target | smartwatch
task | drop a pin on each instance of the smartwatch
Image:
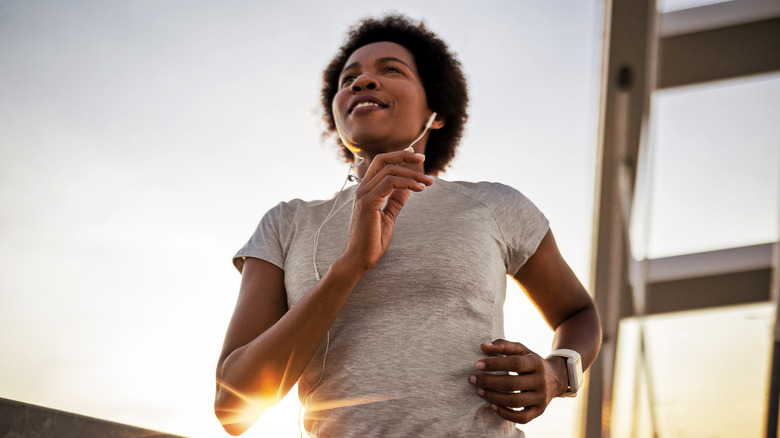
(574, 367)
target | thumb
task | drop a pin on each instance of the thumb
(395, 202)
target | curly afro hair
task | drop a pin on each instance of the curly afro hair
(442, 78)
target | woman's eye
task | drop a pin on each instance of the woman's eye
(347, 79)
(392, 70)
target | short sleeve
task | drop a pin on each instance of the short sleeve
(522, 224)
(266, 242)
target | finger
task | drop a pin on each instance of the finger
(505, 383)
(375, 193)
(390, 177)
(511, 399)
(522, 416)
(501, 346)
(396, 158)
(525, 363)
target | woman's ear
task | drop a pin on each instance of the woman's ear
(438, 122)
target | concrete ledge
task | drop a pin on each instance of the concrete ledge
(23, 420)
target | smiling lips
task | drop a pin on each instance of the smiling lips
(368, 103)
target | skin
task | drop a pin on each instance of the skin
(268, 345)
(569, 310)
(386, 73)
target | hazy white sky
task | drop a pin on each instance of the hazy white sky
(141, 141)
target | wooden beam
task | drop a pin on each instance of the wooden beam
(725, 277)
(728, 289)
(717, 54)
(627, 80)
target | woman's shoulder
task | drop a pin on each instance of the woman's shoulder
(480, 189)
(498, 197)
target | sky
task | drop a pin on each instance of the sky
(141, 141)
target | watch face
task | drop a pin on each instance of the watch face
(574, 369)
(578, 373)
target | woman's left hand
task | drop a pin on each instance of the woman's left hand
(523, 395)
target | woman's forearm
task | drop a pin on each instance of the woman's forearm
(259, 373)
(580, 332)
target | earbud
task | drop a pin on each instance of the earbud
(427, 127)
(430, 121)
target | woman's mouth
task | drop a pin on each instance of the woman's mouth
(366, 104)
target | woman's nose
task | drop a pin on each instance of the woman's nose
(365, 82)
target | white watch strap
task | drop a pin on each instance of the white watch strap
(574, 369)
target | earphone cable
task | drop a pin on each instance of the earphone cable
(330, 215)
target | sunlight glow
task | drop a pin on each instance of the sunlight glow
(249, 412)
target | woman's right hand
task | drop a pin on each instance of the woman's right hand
(379, 198)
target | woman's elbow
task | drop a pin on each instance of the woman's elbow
(234, 413)
(232, 429)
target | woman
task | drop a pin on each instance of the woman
(385, 303)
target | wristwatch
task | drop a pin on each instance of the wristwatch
(574, 367)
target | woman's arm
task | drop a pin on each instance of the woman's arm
(570, 311)
(563, 301)
(267, 347)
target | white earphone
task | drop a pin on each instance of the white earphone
(350, 177)
(427, 127)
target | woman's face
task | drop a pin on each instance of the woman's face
(380, 105)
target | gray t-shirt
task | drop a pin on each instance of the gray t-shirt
(404, 345)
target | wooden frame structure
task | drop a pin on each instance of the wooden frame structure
(645, 51)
